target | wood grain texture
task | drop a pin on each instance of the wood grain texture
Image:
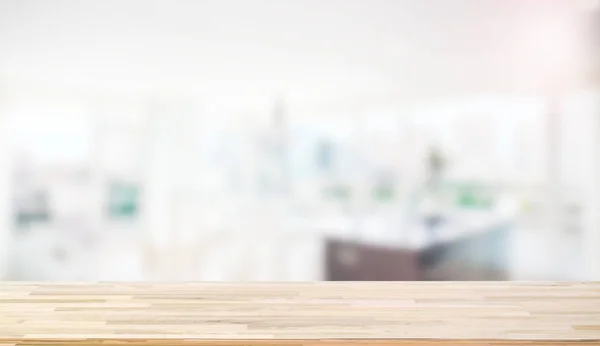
(286, 314)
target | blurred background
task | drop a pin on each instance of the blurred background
(299, 140)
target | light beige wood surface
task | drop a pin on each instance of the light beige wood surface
(300, 313)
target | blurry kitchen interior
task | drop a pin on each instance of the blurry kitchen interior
(299, 140)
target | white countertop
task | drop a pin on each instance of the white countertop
(410, 235)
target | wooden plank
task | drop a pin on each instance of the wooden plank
(399, 313)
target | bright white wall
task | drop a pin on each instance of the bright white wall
(310, 49)
(581, 157)
(5, 183)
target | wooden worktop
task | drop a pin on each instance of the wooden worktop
(432, 313)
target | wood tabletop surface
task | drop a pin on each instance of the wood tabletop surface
(419, 313)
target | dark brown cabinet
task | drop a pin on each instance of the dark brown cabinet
(476, 257)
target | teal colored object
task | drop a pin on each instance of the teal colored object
(123, 201)
(473, 197)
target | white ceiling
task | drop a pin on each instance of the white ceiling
(308, 48)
